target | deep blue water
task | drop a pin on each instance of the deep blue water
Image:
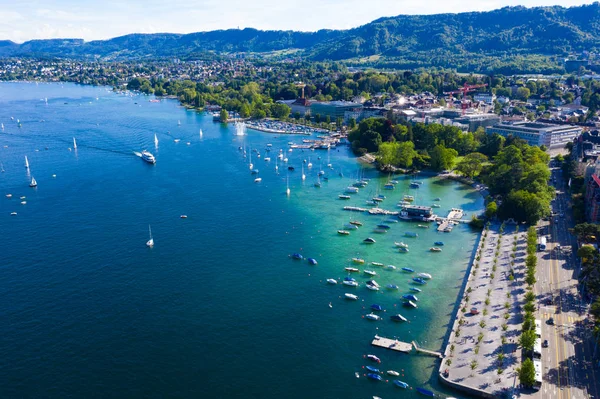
(217, 308)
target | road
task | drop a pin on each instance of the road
(567, 361)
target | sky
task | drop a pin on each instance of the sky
(22, 20)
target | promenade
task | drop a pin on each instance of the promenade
(482, 354)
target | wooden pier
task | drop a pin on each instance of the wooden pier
(443, 226)
(426, 351)
(392, 344)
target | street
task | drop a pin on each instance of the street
(568, 369)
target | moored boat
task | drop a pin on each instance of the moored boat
(400, 244)
(400, 384)
(358, 260)
(378, 264)
(425, 275)
(371, 272)
(372, 287)
(419, 280)
(390, 267)
(376, 307)
(374, 376)
(410, 297)
(369, 240)
(332, 281)
(391, 287)
(440, 243)
(403, 249)
(408, 269)
(351, 269)
(351, 296)
(435, 249)
(312, 261)
(373, 316)
(410, 234)
(344, 197)
(415, 289)
(374, 358)
(297, 256)
(393, 372)
(350, 283)
(398, 317)
(425, 392)
(355, 223)
(343, 232)
(373, 369)
(410, 304)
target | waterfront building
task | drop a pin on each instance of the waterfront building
(417, 212)
(335, 109)
(536, 133)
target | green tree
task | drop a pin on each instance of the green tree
(442, 158)
(523, 93)
(406, 154)
(471, 164)
(224, 115)
(352, 123)
(279, 110)
(527, 373)
(245, 110)
(527, 340)
(587, 253)
(491, 209)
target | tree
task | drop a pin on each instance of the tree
(527, 373)
(245, 110)
(224, 115)
(527, 340)
(491, 209)
(471, 164)
(442, 158)
(523, 93)
(587, 253)
(279, 110)
(406, 154)
(352, 123)
(595, 310)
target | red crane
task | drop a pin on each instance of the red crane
(464, 90)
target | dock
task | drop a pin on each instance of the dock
(445, 226)
(455, 214)
(392, 344)
(427, 351)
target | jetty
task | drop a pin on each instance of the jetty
(455, 214)
(392, 344)
(427, 351)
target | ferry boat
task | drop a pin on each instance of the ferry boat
(148, 157)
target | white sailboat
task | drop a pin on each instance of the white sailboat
(178, 123)
(309, 163)
(150, 242)
(155, 140)
(287, 191)
(33, 182)
(201, 133)
(303, 175)
(329, 165)
(250, 159)
(74, 144)
(3, 126)
(1, 168)
(26, 163)
(276, 167)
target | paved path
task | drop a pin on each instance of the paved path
(474, 361)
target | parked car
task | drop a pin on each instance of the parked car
(545, 343)
(550, 321)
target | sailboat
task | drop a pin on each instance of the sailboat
(74, 144)
(178, 123)
(33, 182)
(150, 242)
(318, 183)
(309, 164)
(3, 126)
(1, 168)
(200, 133)
(287, 191)
(303, 175)
(155, 140)
(26, 163)
(276, 167)
(329, 165)
(250, 158)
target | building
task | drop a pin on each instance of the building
(536, 133)
(335, 109)
(487, 98)
(474, 121)
(592, 199)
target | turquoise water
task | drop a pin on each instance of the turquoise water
(217, 308)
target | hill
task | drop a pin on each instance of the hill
(410, 40)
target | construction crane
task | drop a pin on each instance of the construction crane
(301, 85)
(463, 91)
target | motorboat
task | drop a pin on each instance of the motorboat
(373, 316)
(332, 281)
(350, 227)
(403, 249)
(426, 276)
(344, 197)
(436, 206)
(371, 272)
(312, 261)
(377, 199)
(373, 283)
(8, 195)
(369, 240)
(297, 256)
(351, 190)
(372, 287)
(377, 264)
(415, 289)
(408, 269)
(376, 307)
(351, 296)
(351, 269)
(401, 244)
(389, 186)
(398, 317)
(425, 392)
(440, 243)
(348, 278)
(183, 216)
(254, 171)
(410, 297)
(355, 223)
(373, 369)
(435, 249)
(13, 213)
(408, 198)
(150, 242)
(391, 287)
(400, 384)
(148, 157)
(423, 226)
(257, 180)
(393, 372)
(350, 283)
(437, 199)
(374, 376)
(374, 358)
(343, 232)
(410, 304)
(380, 231)
(410, 234)
(383, 226)
(419, 280)
(414, 185)
(390, 267)
(391, 221)
(358, 260)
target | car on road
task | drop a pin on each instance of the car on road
(550, 321)
(549, 301)
(545, 343)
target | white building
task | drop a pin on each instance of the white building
(535, 133)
